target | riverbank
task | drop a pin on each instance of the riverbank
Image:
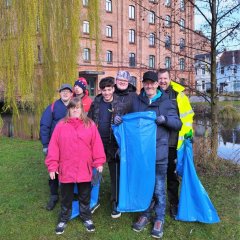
(24, 192)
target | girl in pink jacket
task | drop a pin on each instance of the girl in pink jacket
(75, 148)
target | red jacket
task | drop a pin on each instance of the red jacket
(74, 150)
(86, 101)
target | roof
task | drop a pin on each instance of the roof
(230, 57)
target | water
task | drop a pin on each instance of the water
(27, 127)
(228, 137)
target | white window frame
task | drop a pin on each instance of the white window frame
(109, 56)
(182, 24)
(182, 64)
(168, 21)
(86, 54)
(109, 31)
(131, 36)
(151, 62)
(168, 62)
(152, 38)
(108, 5)
(131, 12)
(168, 3)
(132, 56)
(86, 27)
(168, 41)
(182, 44)
(151, 17)
(182, 5)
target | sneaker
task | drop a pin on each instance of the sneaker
(52, 203)
(140, 224)
(93, 209)
(157, 231)
(115, 213)
(89, 225)
(173, 211)
(60, 228)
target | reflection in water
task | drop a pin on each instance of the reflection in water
(27, 127)
(228, 139)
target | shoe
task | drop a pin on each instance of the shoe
(173, 211)
(115, 213)
(52, 202)
(140, 224)
(93, 209)
(89, 225)
(157, 231)
(60, 228)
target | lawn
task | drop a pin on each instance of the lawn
(24, 193)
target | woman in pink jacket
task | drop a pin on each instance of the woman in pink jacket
(75, 148)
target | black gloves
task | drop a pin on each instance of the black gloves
(161, 120)
(117, 120)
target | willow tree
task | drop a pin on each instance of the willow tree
(39, 46)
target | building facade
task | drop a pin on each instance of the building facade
(228, 72)
(137, 36)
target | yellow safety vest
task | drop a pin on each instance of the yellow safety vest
(185, 112)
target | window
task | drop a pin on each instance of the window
(182, 81)
(203, 85)
(151, 61)
(86, 54)
(182, 44)
(85, 27)
(168, 3)
(151, 39)
(132, 60)
(182, 64)
(109, 56)
(108, 5)
(151, 17)
(234, 69)
(182, 24)
(85, 3)
(168, 62)
(168, 42)
(182, 5)
(203, 70)
(131, 37)
(168, 21)
(131, 12)
(109, 31)
(222, 70)
(152, 1)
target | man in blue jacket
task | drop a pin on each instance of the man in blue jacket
(51, 115)
(153, 99)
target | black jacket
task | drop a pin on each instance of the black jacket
(162, 106)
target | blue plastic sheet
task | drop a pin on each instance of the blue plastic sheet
(136, 138)
(194, 202)
(93, 200)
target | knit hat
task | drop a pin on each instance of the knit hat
(82, 83)
(125, 75)
(150, 75)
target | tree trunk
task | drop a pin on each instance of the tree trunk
(214, 92)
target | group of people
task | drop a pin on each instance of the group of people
(83, 139)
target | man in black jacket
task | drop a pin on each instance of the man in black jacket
(153, 99)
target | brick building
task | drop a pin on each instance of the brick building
(138, 35)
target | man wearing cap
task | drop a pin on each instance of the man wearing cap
(80, 90)
(124, 90)
(153, 99)
(51, 115)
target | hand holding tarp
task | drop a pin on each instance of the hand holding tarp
(117, 120)
(160, 120)
(45, 151)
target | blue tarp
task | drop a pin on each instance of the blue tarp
(194, 203)
(93, 201)
(136, 138)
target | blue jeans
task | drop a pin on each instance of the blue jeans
(159, 199)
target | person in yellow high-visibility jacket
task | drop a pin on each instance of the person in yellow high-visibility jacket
(175, 92)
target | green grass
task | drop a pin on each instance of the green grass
(24, 193)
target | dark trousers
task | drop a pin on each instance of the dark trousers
(84, 195)
(114, 176)
(53, 184)
(172, 178)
